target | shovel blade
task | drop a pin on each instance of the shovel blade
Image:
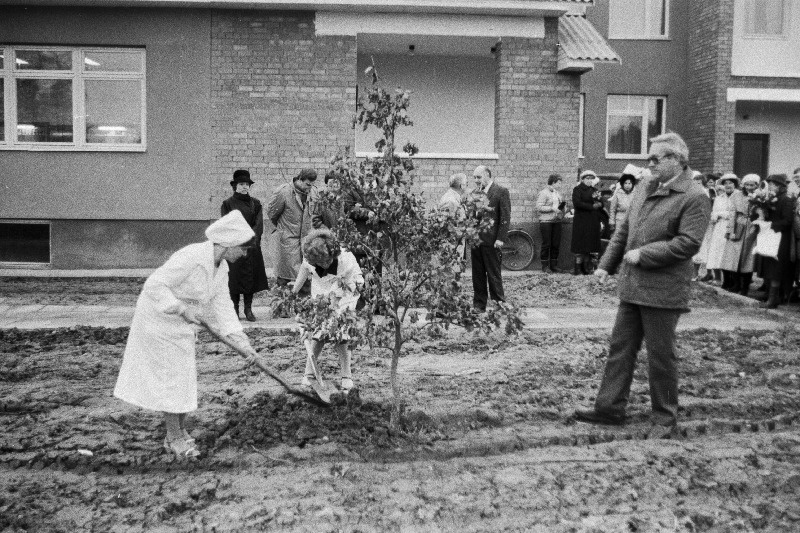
(323, 391)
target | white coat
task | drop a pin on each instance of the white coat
(720, 214)
(158, 367)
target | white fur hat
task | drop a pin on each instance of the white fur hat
(230, 230)
(751, 178)
(632, 170)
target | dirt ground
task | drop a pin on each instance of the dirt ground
(487, 443)
(532, 289)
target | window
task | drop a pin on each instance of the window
(638, 19)
(631, 121)
(763, 17)
(452, 104)
(24, 242)
(56, 98)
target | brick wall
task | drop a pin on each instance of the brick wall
(536, 118)
(281, 97)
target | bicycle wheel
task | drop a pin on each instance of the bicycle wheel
(517, 250)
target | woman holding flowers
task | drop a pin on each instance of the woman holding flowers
(586, 200)
(775, 207)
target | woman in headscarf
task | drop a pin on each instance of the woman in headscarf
(621, 199)
(750, 183)
(158, 366)
(247, 276)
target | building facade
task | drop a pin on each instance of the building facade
(124, 121)
(724, 74)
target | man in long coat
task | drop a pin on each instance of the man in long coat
(294, 211)
(247, 276)
(653, 249)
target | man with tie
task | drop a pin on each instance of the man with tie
(653, 249)
(486, 256)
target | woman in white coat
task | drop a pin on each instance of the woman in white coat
(158, 367)
(720, 215)
(334, 274)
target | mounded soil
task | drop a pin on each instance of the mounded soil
(487, 441)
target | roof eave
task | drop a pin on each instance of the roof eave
(553, 8)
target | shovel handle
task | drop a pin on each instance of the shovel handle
(235, 347)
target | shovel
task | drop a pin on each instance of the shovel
(323, 391)
(323, 401)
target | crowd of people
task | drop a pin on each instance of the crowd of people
(664, 226)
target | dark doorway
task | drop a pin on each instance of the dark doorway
(750, 154)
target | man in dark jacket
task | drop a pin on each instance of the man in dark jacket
(653, 249)
(486, 257)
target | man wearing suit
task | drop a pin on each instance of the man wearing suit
(486, 257)
(653, 249)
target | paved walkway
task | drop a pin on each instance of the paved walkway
(60, 316)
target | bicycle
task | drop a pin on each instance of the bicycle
(518, 250)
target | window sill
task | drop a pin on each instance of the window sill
(436, 155)
(642, 157)
(764, 37)
(640, 38)
(71, 148)
(26, 266)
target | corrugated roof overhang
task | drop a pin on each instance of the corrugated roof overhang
(581, 45)
(523, 8)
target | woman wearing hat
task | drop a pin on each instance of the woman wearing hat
(779, 272)
(248, 275)
(621, 199)
(158, 366)
(750, 183)
(721, 214)
(734, 232)
(586, 223)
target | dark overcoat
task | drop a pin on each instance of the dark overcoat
(247, 275)
(586, 223)
(781, 215)
(666, 225)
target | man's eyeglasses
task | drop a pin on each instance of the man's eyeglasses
(657, 159)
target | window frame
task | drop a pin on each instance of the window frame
(749, 6)
(30, 264)
(645, 119)
(79, 76)
(640, 37)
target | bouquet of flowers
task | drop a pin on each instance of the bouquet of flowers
(597, 196)
(763, 198)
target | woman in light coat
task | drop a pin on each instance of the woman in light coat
(738, 208)
(158, 366)
(621, 199)
(336, 275)
(720, 214)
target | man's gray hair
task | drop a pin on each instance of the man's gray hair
(676, 145)
(458, 181)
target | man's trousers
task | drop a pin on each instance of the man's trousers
(486, 269)
(656, 327)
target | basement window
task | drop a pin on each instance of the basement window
(25, 242)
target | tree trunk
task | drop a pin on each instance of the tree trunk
(394, 421)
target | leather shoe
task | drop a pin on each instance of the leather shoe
(595, 417)
(248, 313)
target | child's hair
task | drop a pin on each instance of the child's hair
(320, 244)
